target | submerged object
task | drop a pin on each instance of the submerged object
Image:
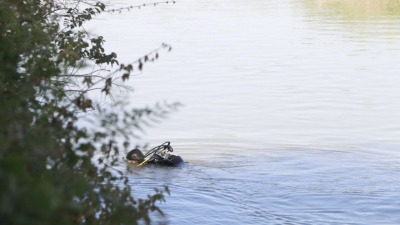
(160, 155)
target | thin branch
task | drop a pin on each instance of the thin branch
(138, 6)
(83, 90)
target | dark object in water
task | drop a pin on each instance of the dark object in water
(159, 155)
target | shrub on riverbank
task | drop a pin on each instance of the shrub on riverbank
(48, 173)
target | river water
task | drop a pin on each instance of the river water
(291, 108)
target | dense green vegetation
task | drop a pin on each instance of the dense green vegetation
(53, 170)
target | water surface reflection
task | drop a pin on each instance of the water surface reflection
(357, 9)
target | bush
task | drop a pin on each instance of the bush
(48, 171)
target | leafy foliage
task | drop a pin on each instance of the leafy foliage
(48, 174)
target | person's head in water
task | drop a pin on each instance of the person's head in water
(159, 155)
(135, 155)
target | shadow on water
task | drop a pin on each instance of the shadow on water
(281, 186)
